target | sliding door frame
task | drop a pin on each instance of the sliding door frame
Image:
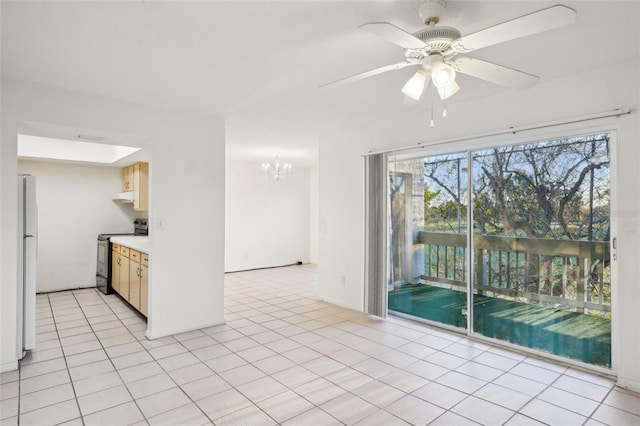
(536, 135)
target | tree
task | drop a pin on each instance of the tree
(554, 189)
(543, 190)
(429, 196)
(447, 205)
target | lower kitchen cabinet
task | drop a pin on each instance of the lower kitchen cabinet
(134, 279)
(130, 276)
(124, 276)
(144, 284)
(115, 268)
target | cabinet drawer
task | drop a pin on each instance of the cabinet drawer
(134, 255)
(116, 248)
(145, 259)
(124, 251)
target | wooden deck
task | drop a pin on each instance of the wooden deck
(573, 335)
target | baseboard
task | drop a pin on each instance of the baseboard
(67, 289)
(150, 335)
(258, 268)
(342, 305)
(630, 384)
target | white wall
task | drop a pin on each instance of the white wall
(187, 193)
(267, 222)
(341, 221)
(341, 211)
(74, 206)
(314, 200)
(186, 269)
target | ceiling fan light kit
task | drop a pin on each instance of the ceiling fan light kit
(416, 84)
(442, 74)
(448, 90)
(435, 50)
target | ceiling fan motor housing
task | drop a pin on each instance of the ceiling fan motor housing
(437, 39)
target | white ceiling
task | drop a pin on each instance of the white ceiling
(259, 63)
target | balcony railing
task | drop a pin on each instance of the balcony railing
(566, 273)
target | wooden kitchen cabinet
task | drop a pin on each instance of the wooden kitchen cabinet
(115, 268)
(134, 278)
(134, 255)
(134, 284)
(141, 186)
(128, 183)
(124, 276)
(139, 282)
(135, 178)
(144, 285)
(130, 276)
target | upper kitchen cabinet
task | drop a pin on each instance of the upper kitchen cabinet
(135, 182)
(141, 186)
(127, 179)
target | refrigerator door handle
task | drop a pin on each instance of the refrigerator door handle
(27, 264)
(30, 271)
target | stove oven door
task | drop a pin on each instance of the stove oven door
(103, 258)
(102, 266)
(102, 284)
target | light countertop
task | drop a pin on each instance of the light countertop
(136, 242)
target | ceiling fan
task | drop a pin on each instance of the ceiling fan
(435, 50)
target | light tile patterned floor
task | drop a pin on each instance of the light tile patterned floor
(285, 358)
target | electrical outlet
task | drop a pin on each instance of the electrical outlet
(343, 281)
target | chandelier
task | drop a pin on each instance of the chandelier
(277, 170)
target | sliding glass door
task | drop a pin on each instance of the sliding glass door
(541, 230)
(428, 238)
(535, 263)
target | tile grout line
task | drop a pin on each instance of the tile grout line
(167, 372)
(253, 305)
(390, 349)
(108, 357)
(221, 378)
(269, 375)
(347, 391)
(266, 374)
(75, 396)
(322, 355)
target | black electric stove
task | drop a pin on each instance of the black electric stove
(103, 269)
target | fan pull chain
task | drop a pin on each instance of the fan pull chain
(444, 110)
(432, 125)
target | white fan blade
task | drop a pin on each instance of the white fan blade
(534, 23)
(494, 73)
(367, 74)
(393, 34)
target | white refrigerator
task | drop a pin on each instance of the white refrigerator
(27, 250)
